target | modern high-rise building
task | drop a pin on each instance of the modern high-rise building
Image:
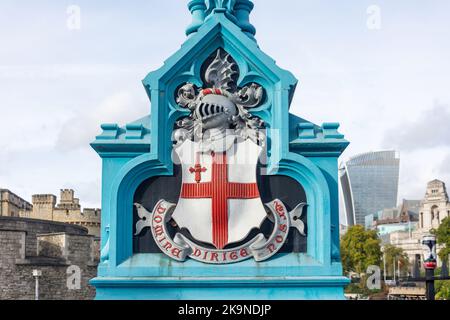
(369, 184)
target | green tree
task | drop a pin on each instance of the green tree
(443, 238)
(442, 290)
(360, 249)
(395, 255)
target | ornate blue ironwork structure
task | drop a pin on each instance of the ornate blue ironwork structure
(297, 148)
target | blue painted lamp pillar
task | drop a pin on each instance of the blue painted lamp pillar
(198, 11)
(237, 11)
(138, 156)
(243, 8)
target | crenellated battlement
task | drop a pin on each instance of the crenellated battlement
(68, 210)
(44, 199)
(86, 215)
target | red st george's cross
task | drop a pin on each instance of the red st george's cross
(219, 190)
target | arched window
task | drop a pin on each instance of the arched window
(421, 219)
(434, 213)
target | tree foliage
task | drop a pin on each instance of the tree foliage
(360, 249)
(395, 255)
(443, 238)
(443, 290)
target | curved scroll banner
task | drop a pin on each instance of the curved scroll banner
(181, 247)
(213, 256)
(158, 219)
(282, 224)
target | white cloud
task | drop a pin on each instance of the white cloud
(44, 170)
(80, 130)
(444, 169)
(417, 168)
(430, 130)
(62, 71)
(424, 146)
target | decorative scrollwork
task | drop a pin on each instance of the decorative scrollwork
(249, 97)
(187, 95)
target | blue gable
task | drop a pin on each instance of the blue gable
(297, 148)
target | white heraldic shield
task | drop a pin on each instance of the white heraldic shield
(220, 202)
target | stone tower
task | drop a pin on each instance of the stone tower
(67, 210)
(435, 207)
(43, 206)
(67, 200)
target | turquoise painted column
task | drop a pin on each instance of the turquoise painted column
(198, 10)
(242, 9)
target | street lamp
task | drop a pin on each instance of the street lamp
(429, 262)
(384, 264)
(36, 274)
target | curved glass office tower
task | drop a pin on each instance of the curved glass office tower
(369, 184)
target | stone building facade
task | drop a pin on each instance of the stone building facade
(68, 210)
(404, 218)
(11, 205)
(65, 254)
(433, 209)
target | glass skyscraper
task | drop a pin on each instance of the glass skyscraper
(369, 184)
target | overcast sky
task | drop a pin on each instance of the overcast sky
(386, 80)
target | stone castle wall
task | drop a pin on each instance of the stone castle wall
(52, 248)
(33, 227)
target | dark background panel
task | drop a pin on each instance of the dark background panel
(291, 193)
(283, 188)
(148, 194)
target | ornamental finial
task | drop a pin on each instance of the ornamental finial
(237, 11)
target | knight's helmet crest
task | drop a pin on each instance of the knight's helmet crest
(221, 104)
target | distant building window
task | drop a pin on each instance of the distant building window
(434, 213)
